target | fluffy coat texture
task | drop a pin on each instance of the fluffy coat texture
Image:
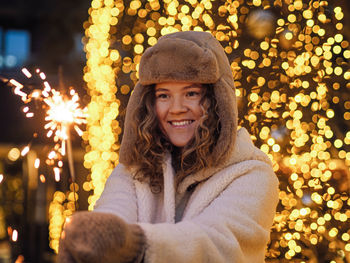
(227, 218)
(188, 57)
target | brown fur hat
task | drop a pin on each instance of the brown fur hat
(188, 57)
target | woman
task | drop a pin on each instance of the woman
(189, 186)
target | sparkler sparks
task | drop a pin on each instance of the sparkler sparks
(62, 112)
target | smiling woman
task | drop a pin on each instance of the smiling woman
(189, 187)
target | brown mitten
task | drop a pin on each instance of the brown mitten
(90, 237)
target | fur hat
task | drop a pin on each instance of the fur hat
(188, 57)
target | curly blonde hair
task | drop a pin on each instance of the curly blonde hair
(151, 144)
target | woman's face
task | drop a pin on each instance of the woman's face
(178, 110)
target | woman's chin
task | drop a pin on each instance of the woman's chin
(180, 143)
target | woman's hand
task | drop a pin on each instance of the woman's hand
(100, 237)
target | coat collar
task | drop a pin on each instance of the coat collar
(244, 150)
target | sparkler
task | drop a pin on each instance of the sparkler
(62, 112)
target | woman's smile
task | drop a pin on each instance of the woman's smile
(181, 124)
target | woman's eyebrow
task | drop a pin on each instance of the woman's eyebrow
(193, 86)
(161, 89)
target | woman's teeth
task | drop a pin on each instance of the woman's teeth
(180, 123)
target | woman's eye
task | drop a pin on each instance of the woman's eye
(162, 96)
(192, 93)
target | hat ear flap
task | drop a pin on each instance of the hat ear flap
(130, 133)
(225, 96)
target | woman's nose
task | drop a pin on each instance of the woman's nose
(177, 106)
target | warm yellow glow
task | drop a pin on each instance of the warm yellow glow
(57, 174)
(303, 211)
(25, 150)
(37, 163)
(14, 154)
(14, 236)
(42, 178)
(254, 97)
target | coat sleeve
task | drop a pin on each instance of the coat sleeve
(119, 197)
(235, 227)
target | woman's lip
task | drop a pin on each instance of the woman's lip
(180, 123)
(181, 120)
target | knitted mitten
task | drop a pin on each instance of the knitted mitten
(100, 237)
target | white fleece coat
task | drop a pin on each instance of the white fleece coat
(227, 218)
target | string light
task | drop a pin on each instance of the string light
(59, 210)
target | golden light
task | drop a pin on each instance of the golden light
(14, 236)
(37, 163)
(25, 150)
(14, 154)
(276, 148)
(52, 155)
(57, 174)
(303, 212)
(42, 178)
